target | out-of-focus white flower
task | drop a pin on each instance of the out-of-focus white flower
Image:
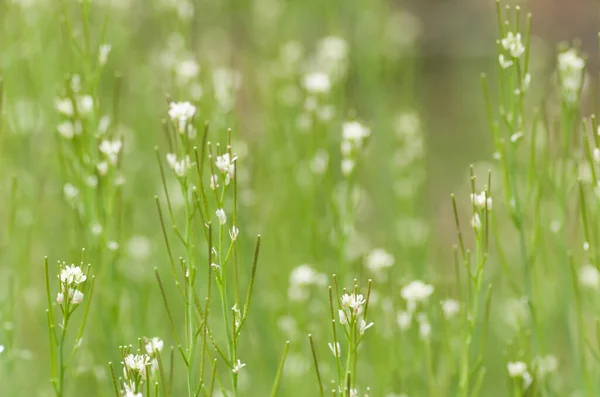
(481, 200)
(70, 191)
(181, 113)
(153, 345)
(476, 222)
(317, 83)
(504, 63)
(221, 216)
(102, 167)
(186, 71)
(570, 70)
(416, 291)
(64, 106)
(103, 53)
(404, 319)
(379, 259)
(347, 166)
(85, 105)
(67, 129)
(111, 149)
(518, 369)
(353, 131)
(180, 167)
(589, 276)
(450, 307)
(545, 365)
(318, 164)
(513, 44)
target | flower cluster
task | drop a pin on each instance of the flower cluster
(301, 279)
(351, 312)
(181, 114)
(354, 135)
(179, 166)
(518, 370)
(513, 45)
(225, 163)
(570, 73)
(72, 279)
(415, 293)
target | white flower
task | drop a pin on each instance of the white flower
(589, 276)
(347, 166)
(181, 113)
(103, 124)
(72, 275)
(221, 216)
(179, 166)
(233, 233)
(335, 349)
(379, 259)
(424, 329)
(343, 317)
(353, 393)
(187, 70)
(153, 345)
(481, 200)
(131, 393)
(111, 149)
(404, 320)
(102, 167)
(450, 307)
(306, 275)
(363, 326)
(317, 83)
(112, 245)
(512, 43)
(64, 106)
(545, 365)
(476, 222)
(225, 164)
(416, 291)
(75, 296)
(355, 132)
(137, 363)
(570, 69)
(354, 302)
(85, 105)
(66, 129)
(1, 349)
(103, 53)
(504, 63)
(214, 182)
(70, 191)
(516, 369)
(236, 368)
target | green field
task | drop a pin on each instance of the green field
(276, 198)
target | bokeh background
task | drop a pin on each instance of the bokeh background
(421, 58)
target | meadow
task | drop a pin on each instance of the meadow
(252, 198)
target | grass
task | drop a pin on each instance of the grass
(236, 199)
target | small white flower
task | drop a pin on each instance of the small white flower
(236, 368)
(481, 200)
(186, 71)
(102, 168)
(181, 113)
(180, 167)
(317, 83)
(103, 53)
(103, 124)
(379, 259)
(111, 149)
(504, 63)
(450, 307)
(70, 191)
(343, 317)
(221, 216)
(354, 132)
(404, 319)
(516, 369)
(589, 276)
(476, 222)
(64, 106)
(72, 275)
(347, 166)
(424, 330)
(137, 362)
(363, 326)
(66, 129)
(354, 302)
(77, 296)
(233, 233)
(112, 245)
(335, 349)
(1, 349)
(214, 182)
(85, 105)
(153, 345)
(225, 164)
(416, 291)
(97, 229)
(512, 43)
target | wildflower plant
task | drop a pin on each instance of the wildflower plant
(75, 287)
